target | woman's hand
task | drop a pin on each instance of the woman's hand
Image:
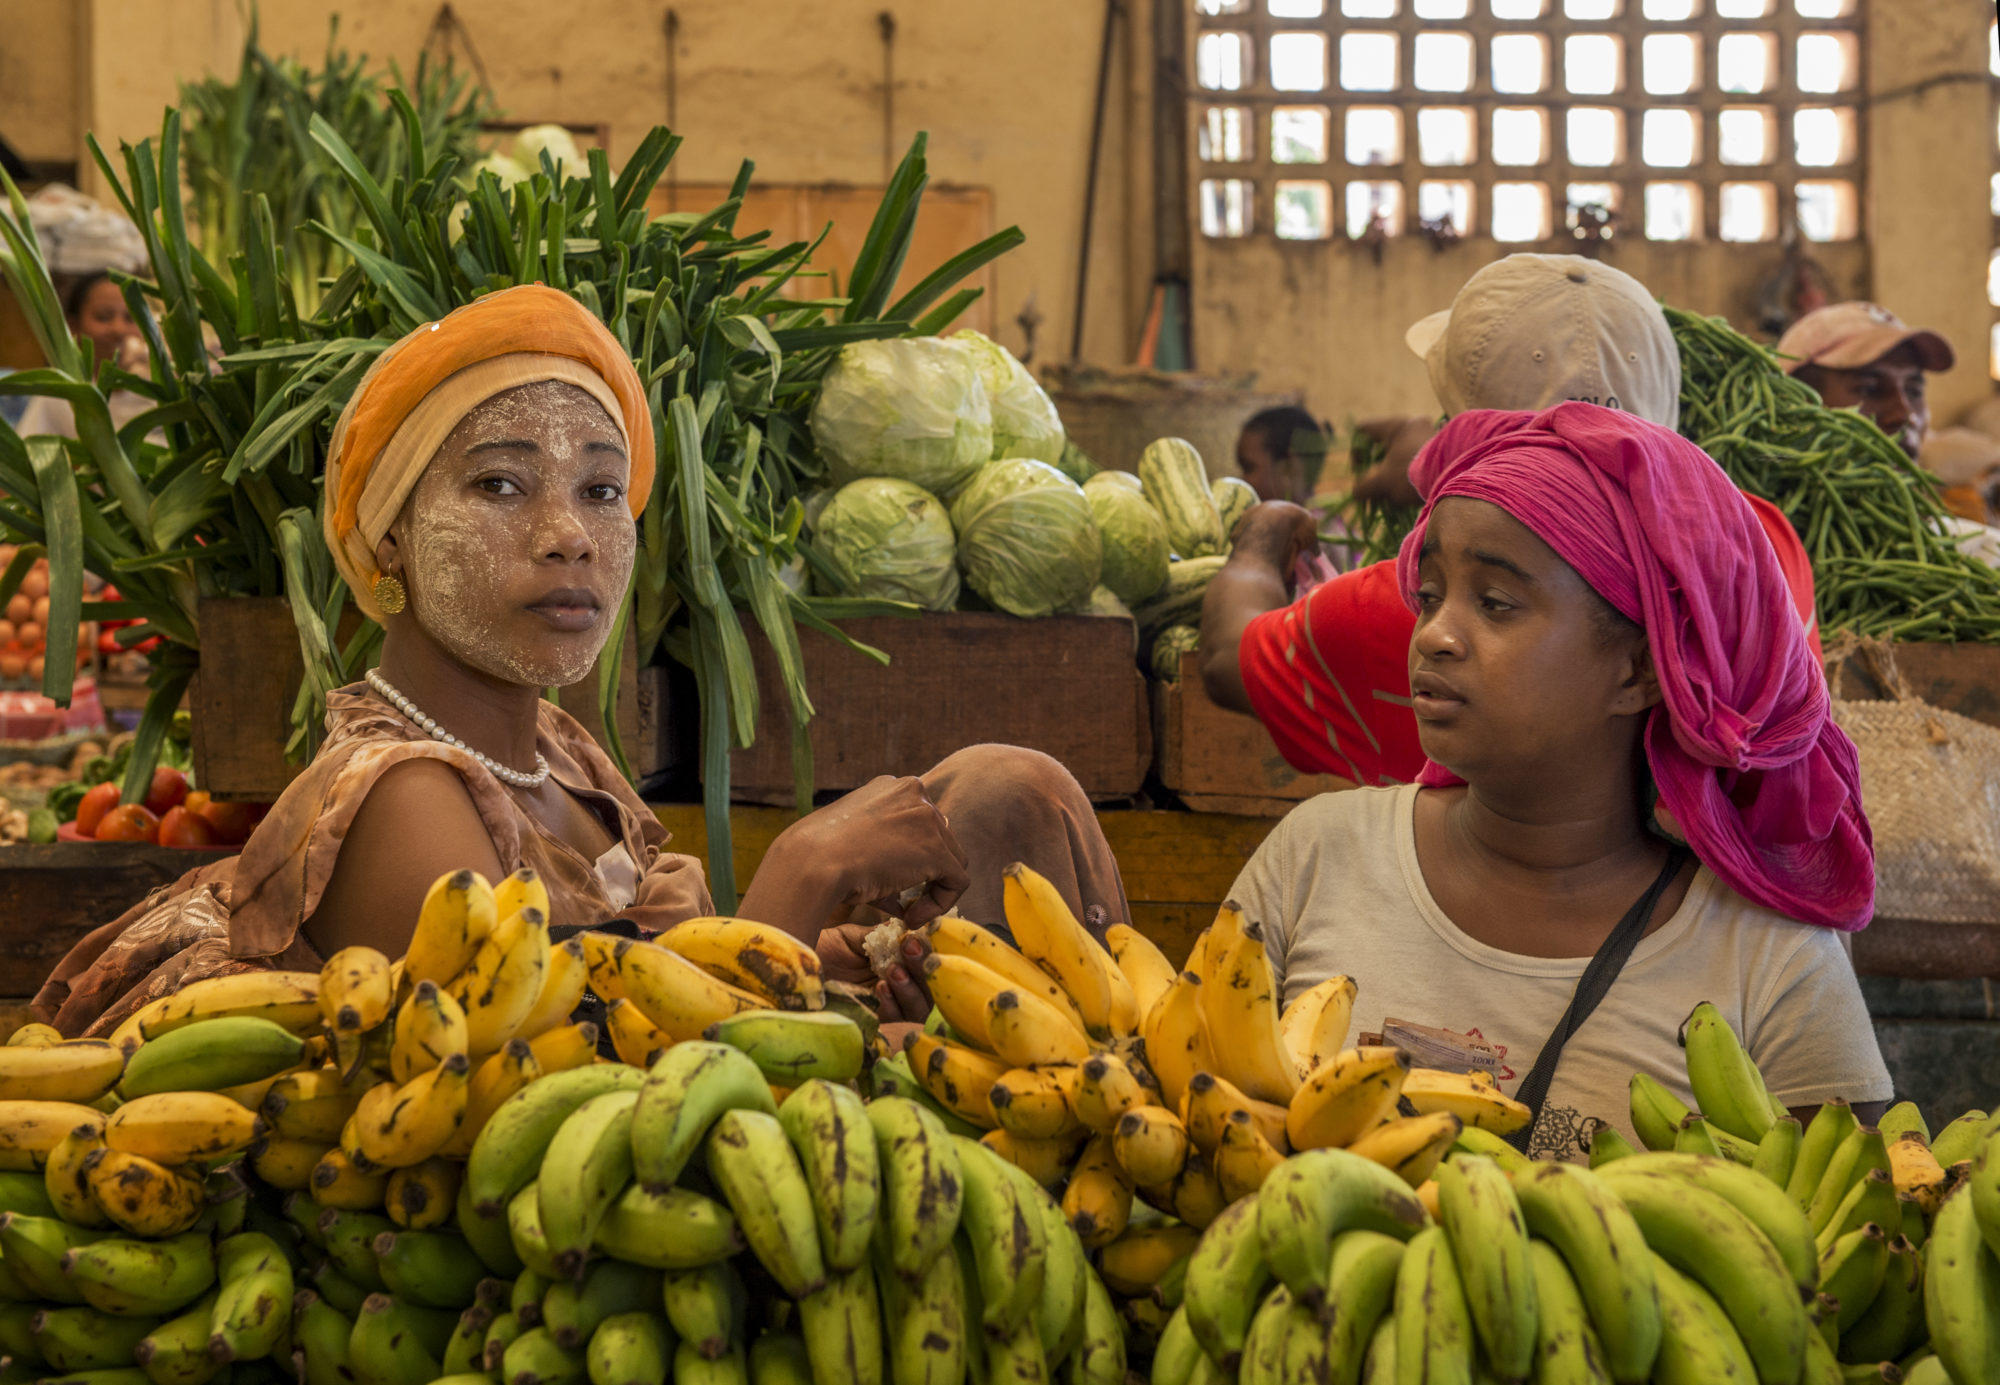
(899, 997)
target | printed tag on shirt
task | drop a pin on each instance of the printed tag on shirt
(1443, 1049)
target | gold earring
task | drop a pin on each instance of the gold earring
(390, 594)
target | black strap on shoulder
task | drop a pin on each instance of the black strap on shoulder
(1590, 990)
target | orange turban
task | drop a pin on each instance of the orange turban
(420, 388)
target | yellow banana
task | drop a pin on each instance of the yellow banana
(1151, 1145)
(953, 936)
(422, 1116)
(1206, 1105)
(1195, 1195)
(637, 1039)
(600, 954)
(562, 990)
(1029, 1032)
(143, 1197)
(1475, 1100)
(1346, 1097)
(1917, 1172)
(1177, 1045)
(572, 1046)
(30, 1129)
(68, 1186)
(1316, 1024)
(180, 1127)
(34, 1034)
(1103, 1090)
(130, 1031)
(355, 990)
(1239, 1011)
(960, 989)
(457, 914)
(1411, 1146)
(493, 1081)
(337, 1181)
(1033, 1104)
(519, 892)
(1142, 963)
(312, 1105)
(287, 1164)
(756, 957)
(1045, 1161)
(960, 1078)
(675, 994)
(253, 1094)
(423, 1195)
(1215, 941)
(1098, 1200)
(81, 1070)
(1125, 1010)
(1047, 932)
(289, 999)
(1244, 1158)
(499, 989)
(430, 1027)
(1136, 1261)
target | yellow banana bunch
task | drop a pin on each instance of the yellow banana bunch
(177, 1127)
(756, 957)
(457, 915)
(1029, 1032)
(81, 1070)
(562, 990)
(519, 892)
(1345, 1098)
(1316, 1024)
(500, 987)
(1206, 1107)
(430, 1027)
(1049, 933)
(1151, 1145)
(1244, 1158)
(1098, 1200)
(572, 1046)
(1177, 1042)
(143, 1197)
(675, 994)
(498, 1077)
(35, 1034)
(289, 999)
(1472, 1097)
(1411, 1146)
(414, 1121)
(960, 1078)
(1103, 1089)
(1033, 1104)
(1143, 965)
(637, 1039)
(1239, 1011)
(1045, 1161)
(952, 936)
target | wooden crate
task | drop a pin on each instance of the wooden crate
(1220, 761)
(241, 700)
(52, 895)
(1066, 686)
(1962, 678)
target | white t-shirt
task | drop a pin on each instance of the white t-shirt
(1338, 890)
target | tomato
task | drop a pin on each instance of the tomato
(107, 643)
(232, 821)
(128, 823)
(196, 801)
(169, 788)
(183, 828)
(95, 804)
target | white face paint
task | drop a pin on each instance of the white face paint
(518, 540)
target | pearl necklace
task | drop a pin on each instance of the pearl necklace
(518, 778)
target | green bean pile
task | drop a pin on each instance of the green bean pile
(1884, 563)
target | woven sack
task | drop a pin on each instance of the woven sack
(1930, 782)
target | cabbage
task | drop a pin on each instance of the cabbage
(508, 171)
(1173, 642)
(1024, 417)
(912, 408)
(1126, 479)
(1233, 495)
(1102, 601)
(1025, 537)
(1075, 463)
(556, 142)
(892, 540)
(1134, 536)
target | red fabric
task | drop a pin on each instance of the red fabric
(1764, 786)
(1329, 674)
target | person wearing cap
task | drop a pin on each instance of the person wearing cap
(1861, 356)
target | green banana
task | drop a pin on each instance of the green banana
(928, 1332)
(499, 1336)
(17, 1334)
(1704, 1236)
(508, 1152)
(688, 1088)
(1473, 1140)
(572, 1309)
(487, 1234)
(1764, 1203)
(26, 1193)
(793, 1046)
(465, 1353)
(1177, 1351)
(1225, 1282)
(1915, 1230)
(350, 1244)
(143, 1278)
(1872, 1198)
(1313, 1197)
(1266, 1343)
(842, 1323)
(752, 1162)
(636, 1349)
(1567, 1351)
(1304, 1345)
(1009, 1244)
(524, 1228)
(1860, 1152)
(1434, 1331)
(922, 1185)
(1016, 1358)
(1894, 1322)
(303, 1214)
(1698, 1346)
(1778, 1151)
(1059, 1311)
(525, 1297)
(1489, 1240)
(34, 1248)
(707, 1307)
(891, 1079)
(1608, 1146)
(386, 1349)
(434, 1269)
(779, 1358)
(1099, 1358)
(1170, 1288)
(1727, 1086)
(110, 1375)
(1696, 1136)
(1853, 1270)
(1900, 1118)
(1958, 1139)
(342, 1293)
(1926, 1370)
(79, 1338)
(1656, 1112)
(1822, 1367)
(1983, 1187)
(1824, 1135)
(176, 1352)
(536, 1358)
(253, 1304)
(830, 1132)
(1576, 1212)
(223, 1052)
(692, 1368)
(678, 1229)
(1379, 1366)
(588, 1164)
(1361, 1282)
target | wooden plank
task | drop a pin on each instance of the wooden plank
(242, 699)
(1222, 761)
(1065, 686)
(1962, 678)
(52, 895)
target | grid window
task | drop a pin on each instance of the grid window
(1309, 9)
(1590, 10)
(1302, 210)
(1225, 206)
(1670, 11)
(1520, 64)
(1824, 136)
(1368, 62)
(1298, 62)
(1742, 9)
(1596, 136)
(1994, 195)
(1443, 62)
(1442, 9)
(1444, 136)
(1670, 139)
(1671, 64)
(1746, 62)
(1993, 279)
(1828, 62)
(1749, 211)
(1993, 353)
(1520, 212)
(1356, 9)
(1373, 204)
(1746, 136)
(1223, 135)
(1593, 64)
(1520, 136)
(1222, 61)
(1374, 135)
(1829, 210)
(1222, 6)
(1300, 135)
(1824, 9)
(1596, 197)
(1673, 211)
(1519, 9)
(1446, 204)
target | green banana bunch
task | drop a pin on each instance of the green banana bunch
(433, 1269)
(707, 1308)
(751, 1162)
(1656, 1112)
(831, 1133)
(507, 1155)
(1008, 1243)
(1489, 1241)
(928, 1329)
(80, 1338)
(692, 1368)
(1828, 1131)
(1962, 1292)
(1567, 1351)
(842, 1323)
(793, 1046)
(386, 1346)
(142, 1278)
(321, 1334)
(1576, 1212)
(350, 1244)
(572, 1309)
(1099, 1357)
(536, 1358)
(465, 1353)
(1698, 1346)
(1726, 1083)
(678, 1229)
(634, 1349)
(1313, 1197)
(1225, 1282)
(1360, 1285)
(1434, 1331)
(1893, 1323)
(211, 1055)
(34, 1249)
(689, 1087)
(253, 1305)
(1763, 1202)
(922, 1183)
(588, 1164)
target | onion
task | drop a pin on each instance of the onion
(12, 666)
(30, 634)
(41, 610)
(36, 583)
(20, 608)
(7, 632)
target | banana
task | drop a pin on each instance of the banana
(750, 1160)
(671, 991)
(34, 1248)
(1226, 1276)
(423, 1195)
(142, 1278)
(922, 1184)
(432, 1269)
(387, 1347)
(842, 1325)
(634, 1349)
(1489, 1239)
(707, 1308)
(1244, 1159)
(1859, 1152)
(465, 1353)
(416, 1120)
(350, 1245)
(1145, 968)
(1033, 1103)
(1829, 1129)
(140, 1197)
(1778, 1151)
(829, 1130)
(1915, 1171)
(500, 1334)
(1017, 1356)
(522, 890)
(28, 1193)
(29, 1130)
(1434, 1331)
(175, 1352)
(572, 1309)
(564, 1047)
(524, 1297)
(1045, 1161)
(498, 1076)
(689, 1086)
(253, 1305)
(509, 1149)
(1767, 1207)
(1958, 1139)
(1177, 1041)
(1962, 1293)
(692, 1368)
(1361, 1283)
(1145, 1255)
(1598, 1238)
(430, 1027)
(34, 1034)
(1194, 1195)
(311, 1105)
(1151, 1145)
(458, 913)
(1410, 1146)
(1048, 933)
(1894, 1322)
(765, 961)
(637, 1039)
(563, 985)
(1852, 1272)
(1726, 1083)
(289, 999)
(1607, 1146)
(891, 1076)
(1698, 1346)
(214, 1054)
(77, 1339)
(928, 1331)
(1471, 1097)
(1105, 1089)
(1656, 1112)
(499, 988)
(960, 1078)
(1315, 1025)
(588, 1164)
(1706, 1237)
(1873, 1199)
(600, 954)
(1026, 1031)
(65, 1182)
(1206, 1105)
(953, 936)
(1317, 1195)
(524, 1229)
(337, 1181)
(1098, 1198)
(1695, 1137)
(490, 1237)
(790, 1047)
(1240, 1015)
(960, 989)
(1346, 1097)
(678, 1229)
(320, 1333)
(356, 993)
(1008, 1245)
(81, 1071)
(179, 1127)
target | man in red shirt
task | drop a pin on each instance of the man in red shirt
(1328, 673)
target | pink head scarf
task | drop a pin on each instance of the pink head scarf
(1764, 786)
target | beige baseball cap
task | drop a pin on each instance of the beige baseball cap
(1848, 336)
(1532, 331)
